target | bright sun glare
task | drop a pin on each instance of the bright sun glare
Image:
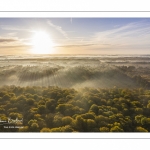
(42, 44)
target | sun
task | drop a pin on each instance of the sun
(42, 43)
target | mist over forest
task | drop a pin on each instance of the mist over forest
(80, 93)
(75, 72)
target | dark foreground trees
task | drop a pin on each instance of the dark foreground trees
(54, 109)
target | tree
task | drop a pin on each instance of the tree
(15, 115)
(104, 129)
(80, 124)
(140, 129)
(148, 105)
(50, 105)
(138, 119)
(6, 97)
(41, 109)
(90, 125)
(67, 109)
(67, 120)
(2, 110)
(116, 129)
(33, 125)
(89, 115)
(49, 120)
(24, 129)
(45, 130)
(67, 128)
(101, 121)
(57, 121)
(56, 129)
(94, 108)
(30, 101)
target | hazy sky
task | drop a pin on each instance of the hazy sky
(75, 35)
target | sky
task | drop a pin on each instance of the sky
(108, 36)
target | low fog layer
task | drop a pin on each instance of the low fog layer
(75, 72)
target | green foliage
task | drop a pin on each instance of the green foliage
(24, 129)
(89, 115)
(67, 120)
(41, 109)
(104, 129)
(116, 129)
(33, 126)
(54, 109)
(30, 101)
(15, 115)
(148, 105)
(45, 130)
(56, 129)
(140, 129)
(67, 128)
(57, 121)
(90, 124)
(50, 105)
(6, 97)
(94, 108)
(2, 110)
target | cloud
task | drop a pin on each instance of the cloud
(12, 28)
(71, 20)
(91, 46)
(2, 40)
(12, 43)
(58, 28)
(70, 46)
(132, 34)
(16, 46)
(15, 49)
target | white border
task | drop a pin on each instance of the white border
(74, 14)
(77, 135)
(74, 5)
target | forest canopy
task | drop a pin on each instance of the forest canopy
(55, 109)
